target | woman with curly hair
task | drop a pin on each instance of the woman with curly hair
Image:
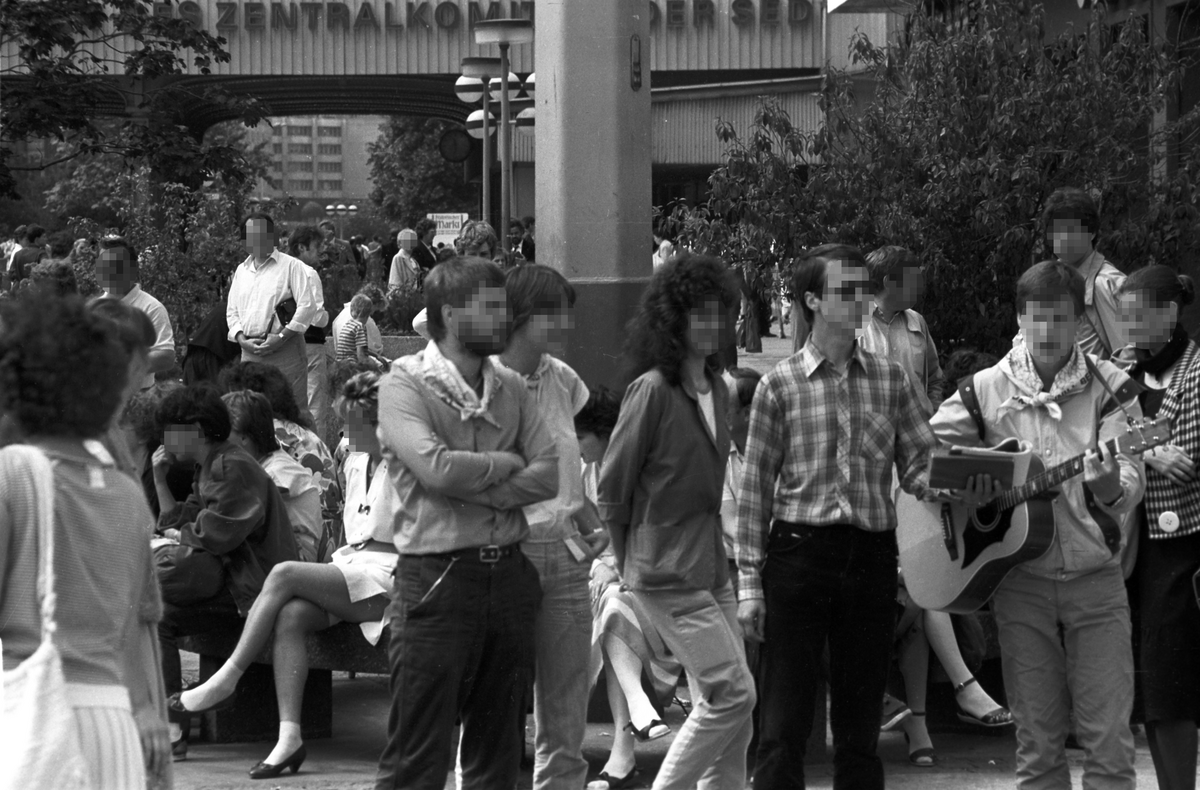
(299, 598)
(63, 372)
(660, 493)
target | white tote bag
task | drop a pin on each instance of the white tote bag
(40, 743)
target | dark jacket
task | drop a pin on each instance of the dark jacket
(425, 257)
(236, 513)
(661, 485)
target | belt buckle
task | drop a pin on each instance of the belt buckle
(489, 554)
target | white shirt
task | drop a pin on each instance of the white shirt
(404, 270)
(301, 499)
(256, 290)
(366, 515)
(560, 394)
(374, 337)
(164, 335)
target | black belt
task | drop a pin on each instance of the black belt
(489, 555)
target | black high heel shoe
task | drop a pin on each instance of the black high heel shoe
(269, 771)
(177, 713)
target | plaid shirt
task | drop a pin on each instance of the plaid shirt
(821, 449)
(1181, 407)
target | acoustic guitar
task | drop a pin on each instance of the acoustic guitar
(953, 557)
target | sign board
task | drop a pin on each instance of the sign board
(448, 226)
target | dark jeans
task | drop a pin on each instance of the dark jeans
(213, 615)
(461, 645)
(838, 584)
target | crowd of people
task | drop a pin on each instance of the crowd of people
(514, 532)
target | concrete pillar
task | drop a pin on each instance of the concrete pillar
(593, 168)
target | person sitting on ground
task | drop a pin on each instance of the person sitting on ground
(252, 427)
(299, 598)
(235, 513)
(352, 336)
(63, 372)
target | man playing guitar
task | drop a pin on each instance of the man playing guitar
(1064, 616)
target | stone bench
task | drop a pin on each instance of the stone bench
(255, 715)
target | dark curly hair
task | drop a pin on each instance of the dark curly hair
(270, 381)
(599, 414)
(141, 413)
(63, 369)
(56, 276)
(362, 390)
(657, 335)
(198, 404)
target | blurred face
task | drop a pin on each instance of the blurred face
(428, 237)
(115, 269)
(185, 442)
(360, 431)
(846, 303)
(326, 231)
(481, 325)
(549, 331)
(260, 240)
(904, 292)
(1143, 323)
(1049, 327)
(591, 447)
(704, 327)
(1070, 239)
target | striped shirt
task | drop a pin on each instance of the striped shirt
(350, 338)
(821, 448)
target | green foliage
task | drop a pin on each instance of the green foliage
(411, 178)
(403, 304)
(76, 61)
(961, 133)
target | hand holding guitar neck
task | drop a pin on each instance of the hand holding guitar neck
(1102, 475)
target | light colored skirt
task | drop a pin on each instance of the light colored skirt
(618, 613)
(108, 737)
(367, 574)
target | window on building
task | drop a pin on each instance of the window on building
(329, 131)
(300, 184)
(331, 186)
(329, 167)
(303, 166)
(329, 148)
(300, 148)
(299, 131)
(277, 148)
(277, 131)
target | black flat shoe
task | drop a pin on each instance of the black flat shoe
(616, 782)
(657, 728)
(179, 750)
(177, 713)
(269, 771)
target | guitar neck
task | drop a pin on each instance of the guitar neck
(1047, 480)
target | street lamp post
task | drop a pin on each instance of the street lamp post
(341, 211)
(504, 32)
(471, 87)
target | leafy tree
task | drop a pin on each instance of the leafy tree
(967, 129)
(411, 178)
(66, 62)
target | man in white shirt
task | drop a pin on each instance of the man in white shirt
(257, 312)
(117, 274)
(306, 243)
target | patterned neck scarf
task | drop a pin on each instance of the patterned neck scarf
(1021, 371)
(444, 379)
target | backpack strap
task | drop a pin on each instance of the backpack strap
(966, 391)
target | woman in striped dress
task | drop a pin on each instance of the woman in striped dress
(62, 376)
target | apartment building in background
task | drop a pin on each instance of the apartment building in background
(321, 158)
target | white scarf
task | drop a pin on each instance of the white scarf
(1021, 371)
(443, 377)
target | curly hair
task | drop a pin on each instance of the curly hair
(657, 335)
(423, 226)
(473, 237)
(198, 404)
(63, 369)
(270, 381)
(55, 275)
(141, 413)
(361, 389)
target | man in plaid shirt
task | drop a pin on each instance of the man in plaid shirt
(816, 548)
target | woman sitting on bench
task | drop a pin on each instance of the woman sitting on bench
(302, 597)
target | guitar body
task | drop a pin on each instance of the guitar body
(954, 557)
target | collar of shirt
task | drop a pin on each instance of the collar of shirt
(129, 295)
(533, 378)
(811, 357)
(249, 262)
(910, 318)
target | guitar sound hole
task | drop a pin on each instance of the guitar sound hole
(987, 517)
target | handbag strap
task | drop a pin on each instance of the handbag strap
(41, 472)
